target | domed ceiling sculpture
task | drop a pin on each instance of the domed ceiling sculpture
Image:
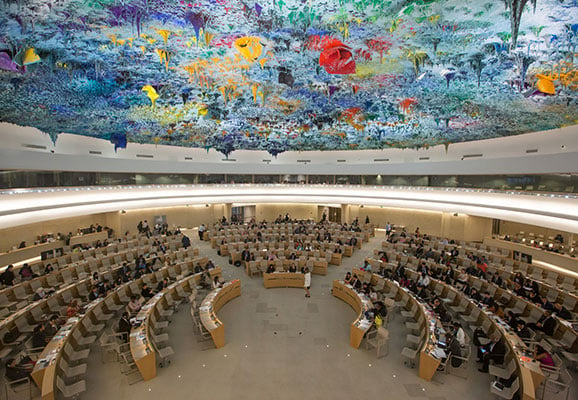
(282, 75)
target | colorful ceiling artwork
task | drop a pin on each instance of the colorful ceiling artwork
(280, 75)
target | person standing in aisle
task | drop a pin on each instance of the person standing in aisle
(202, 230)
(307, 282)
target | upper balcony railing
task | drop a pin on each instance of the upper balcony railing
(558, 184)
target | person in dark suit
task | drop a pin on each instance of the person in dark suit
(124, 326)
(51, 326)
(522, 330)
(185, 241)
(146, 292)
(562, 312)
(547, 324)
(162, 285)
(246, 255)
(487, 299)
(39, 337)
(355, 282)
(497, 279)
(7, 277)
(493, 351)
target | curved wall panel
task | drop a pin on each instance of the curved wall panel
(20, 207)
(554, 151)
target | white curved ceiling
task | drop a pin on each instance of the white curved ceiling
(535, 153)
(19, 207)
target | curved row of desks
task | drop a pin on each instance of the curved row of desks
(430, 325)
(558, 259)
(284, 254)
(29, 252)
(24, 320)
(286, 246)
(360, 304)
(276, 231)
(56, 303)
(68, 269)
(212, 303)
(283, 279)
(499, 256)
(141, 341)
(529, 372)
(316, 266)
(564, 331)
(70, 337)
(18, 295)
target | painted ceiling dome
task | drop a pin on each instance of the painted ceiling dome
(281, 75)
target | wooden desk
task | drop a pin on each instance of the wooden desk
(141, 347)
(360, 304)
(89, 238)
(560, 260)
(319, 267)
(347, 250)
(46, 368)
(212, 304)
(529, 371)
(283, 279)
(46, 365)
(26, 253)
(335, 259)
(428, 363)
(224, 249)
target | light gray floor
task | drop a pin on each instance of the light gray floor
(282, 345)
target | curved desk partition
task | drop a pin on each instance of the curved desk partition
(212, 304)
(430, 351)
(36, 250)
(283, 279)
(141, 338)
(529, 372)
(45, 371)
(71, 335)
(67, 270)
(360, 305)
(77, 330)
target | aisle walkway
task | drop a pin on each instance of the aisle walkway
(281, 345)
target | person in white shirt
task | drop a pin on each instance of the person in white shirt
(423, 280)
(202, 230)
(459, 334)
(217, 283)
(307, 284)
